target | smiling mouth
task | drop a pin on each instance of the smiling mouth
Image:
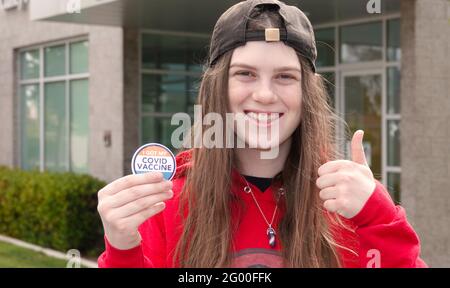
(263, 117)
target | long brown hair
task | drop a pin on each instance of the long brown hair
(306, 239)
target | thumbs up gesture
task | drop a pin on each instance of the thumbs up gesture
(345, 186)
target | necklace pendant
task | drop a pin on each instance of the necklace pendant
(271, 235)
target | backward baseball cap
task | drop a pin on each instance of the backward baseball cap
(231, 32)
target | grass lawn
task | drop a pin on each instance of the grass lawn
(17, 257)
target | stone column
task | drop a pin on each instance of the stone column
(425, 124)
(106, 102)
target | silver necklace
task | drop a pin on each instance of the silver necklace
(270, 230)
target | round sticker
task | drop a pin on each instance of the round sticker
(154, 157)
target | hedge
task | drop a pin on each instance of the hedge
(54, 210)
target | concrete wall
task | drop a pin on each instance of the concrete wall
(105, 86)
(425, 124)
(106, 90)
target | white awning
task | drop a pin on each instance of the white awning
(185, 15)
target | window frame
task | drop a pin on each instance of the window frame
(41, 81)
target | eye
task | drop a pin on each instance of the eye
(244, 73)
(286, 76)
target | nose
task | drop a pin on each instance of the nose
(264, 93)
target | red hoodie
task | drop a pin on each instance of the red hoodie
(381, 236)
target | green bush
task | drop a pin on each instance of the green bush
(54, 210)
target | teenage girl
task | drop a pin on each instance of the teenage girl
(230, 207)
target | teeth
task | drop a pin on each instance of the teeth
(263, 116)
(274, 116)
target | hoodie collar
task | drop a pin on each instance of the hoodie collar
(184, 162)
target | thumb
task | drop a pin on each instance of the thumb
(358, 155)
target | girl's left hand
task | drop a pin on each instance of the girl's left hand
(345, 186)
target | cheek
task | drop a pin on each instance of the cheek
(292, 99)
(236, 95)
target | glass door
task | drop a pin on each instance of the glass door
(361, 105)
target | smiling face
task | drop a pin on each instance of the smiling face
(264, 87)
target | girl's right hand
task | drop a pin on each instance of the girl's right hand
(127, 202)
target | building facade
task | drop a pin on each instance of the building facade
(84, 83)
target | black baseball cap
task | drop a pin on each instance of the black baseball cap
(231, 32)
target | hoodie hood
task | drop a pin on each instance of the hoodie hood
(184, 162)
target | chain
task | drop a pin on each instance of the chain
(247, 189)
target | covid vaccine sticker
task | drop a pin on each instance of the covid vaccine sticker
(154, 157)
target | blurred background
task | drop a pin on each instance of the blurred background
(84, 83)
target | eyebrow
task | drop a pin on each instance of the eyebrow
(278, 69)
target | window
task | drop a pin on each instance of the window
(363, 96)
(393, 40)
(393, 90)
(171, 68)
(30, 111)
(325, 47)
(55, 126)
(326, 51)
(361, 42)
(330, 85)
(393, 108)
(393, 130)
(53, 91)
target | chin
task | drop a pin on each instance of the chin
(252, 142)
